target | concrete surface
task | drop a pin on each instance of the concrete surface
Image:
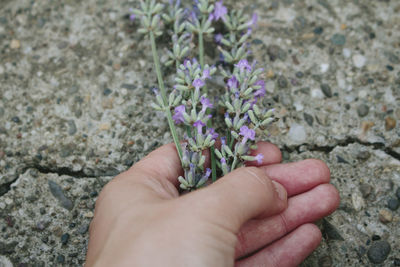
(75, 99)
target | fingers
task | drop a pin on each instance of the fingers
(237, 197)
(298, 177)
(162, 163)
(272, 154)
(304, 208)
(289, 251)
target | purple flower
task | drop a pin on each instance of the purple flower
(211, 131)
(243, 64)
(219, 11)
(260, 92)
(199, 125)
(233, 83)
(198, 83)
(205, 102)
(132, 17)
(247, 133)
(208, 172)
(178, 116)
(223, 140)
(218, 37)
(206, 74)
(259, 158)
(252, 23)
(223, 161)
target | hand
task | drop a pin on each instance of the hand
(244, 218)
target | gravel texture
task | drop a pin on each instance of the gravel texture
(75, 84)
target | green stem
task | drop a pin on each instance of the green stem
(201, 49)
(164, 95)
(213, 164)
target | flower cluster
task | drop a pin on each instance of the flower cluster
(243, 117)
(233, 45)
(188, 105)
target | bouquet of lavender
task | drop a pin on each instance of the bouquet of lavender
(187, 103)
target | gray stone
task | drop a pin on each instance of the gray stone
(1, 112)
(363, 155)
(282, 82)
(326, 89)
(338, 39)
(60, 259)
(393, 58)
(379, 251)
(309, 119)
(129, 86)
(330, 231)
(58, 193)
(83, 229)
(71, 127)
(362, 110)
(393, 204)
(398, 193)
(64, 238)
(365, 190)
(297, 133)
(275, 52)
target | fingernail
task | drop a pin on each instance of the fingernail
(280, 191)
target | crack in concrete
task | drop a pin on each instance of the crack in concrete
(4, 188)
(348, 141)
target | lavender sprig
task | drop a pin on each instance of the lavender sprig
(180, 38)
(200, 23)
(189, 101)
(150, 22)
(234, 44)
(243, 117)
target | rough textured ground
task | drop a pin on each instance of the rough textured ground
(74, 111)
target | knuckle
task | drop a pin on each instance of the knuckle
(258, 179)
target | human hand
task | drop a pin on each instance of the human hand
(244, 218)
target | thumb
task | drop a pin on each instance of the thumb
(239, 196)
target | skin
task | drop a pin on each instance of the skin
(259, 215)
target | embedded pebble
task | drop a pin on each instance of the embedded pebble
(379, 251)
(326, 89)
(83, 229)
(309, 119)
(357, 201)
(338, 39)
(363, 155)
(385, 216)
(71, 127)
(88, 214)
(365, 190)
(317, 93)
(15, 44)
(359, 61)
(390, 123)
(64, 238)
(58, 193)
(297, 133)
(60, 259)
(346, 52)
(362, 110)
(282, 82)
(324, 67)
(393, 204)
